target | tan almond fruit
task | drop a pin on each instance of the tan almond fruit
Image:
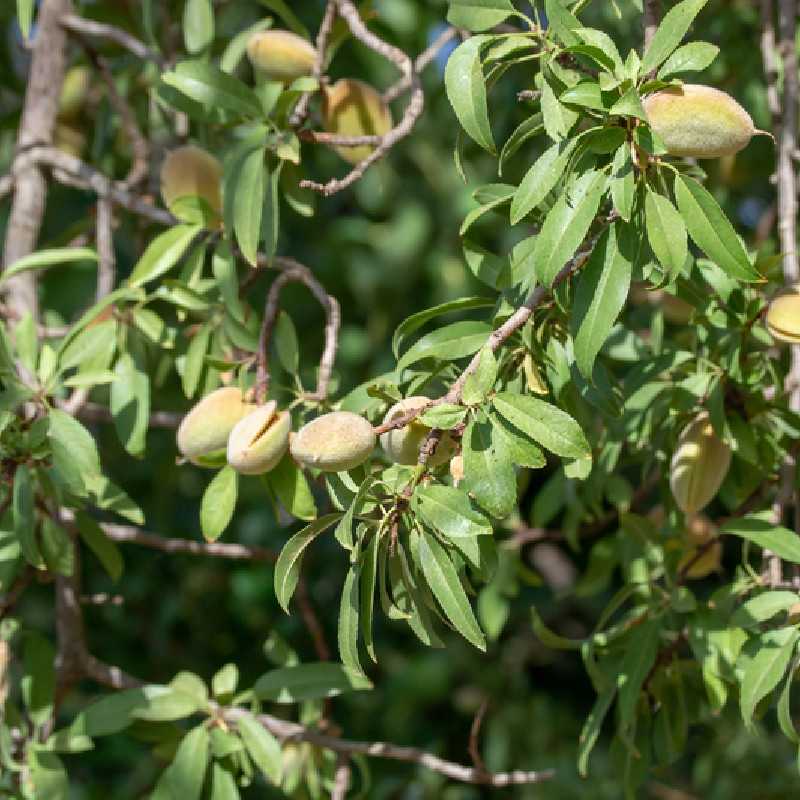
(258, 441)
(402, 445)
(203, 433)
(281, 56)
(699, 465)
(190, 172)
(353, 108)
(334, 442)
(699, 121)
(783, 315)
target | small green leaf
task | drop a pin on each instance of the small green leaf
(478, 15)
(449, 511)
(488, 470)
(163, 253)
(368, 579)
(262, 746)
(25, 9)
(347, 629)
(289, 483)
(248, 201)
(198, 25)
(765, 670)
(640, 655)
(187, 771)
(213, 88)
(218, 504)
(670, 32)
(591, 728)
(665, 232)
(105, 549)
(130, 400)
(759, 529)
(164, 704)
(286, 345)
(692, 57)
(23, 515)
(458, 340)
(623, 182)
(541, 179)
(48, 258)
(308, 682)
(762, 607)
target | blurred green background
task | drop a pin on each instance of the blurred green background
(386, 249)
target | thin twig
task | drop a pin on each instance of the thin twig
(411, 114)
(768, 57)
(89, 27)
(295, 272)
(341, 778)
(474, 737)
(652, 16)
(312, 622)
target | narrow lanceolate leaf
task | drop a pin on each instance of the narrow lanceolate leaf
(711, 231)
(666, 232)
(670, 33)
(287, 567)
(130, 401)
(163, 253)
(188, 769)
(213, 88)
(348, 622)
(48, 258)
(449, 511)
(74, 451)
(104, 548)
(308, 682)
(248, 202)
(566, 225)
(195, 360)
(692, 57)
(478, 15)
(450, 343)
(367, 581)
(640, 655)
(262, 747)
(219, 501)
(23, 515)
(762, 607)
(445, 584)
(785, 707)
(466, 90)
(25, 16)
(591, 728)
(488, 469)
(198, 25)
(767, 667)
(623, 182)
(546, 424)
(601, 295)
(540, 179)
(759, 529)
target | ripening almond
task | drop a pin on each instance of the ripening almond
(783, 315)
(258, 441)
(203, 433)
(353, 108)
(333, 442)
(699, 465)
(281, 56)
(189, 172)
(402, 445)
(699, 121)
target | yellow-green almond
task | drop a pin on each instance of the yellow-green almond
(353, 108)
(699, 465)
(258, 441)
(783, 315)
(191, 171)
(402, 445)
(203, 433)
(699, 121)
(281, 55)
(333, 442)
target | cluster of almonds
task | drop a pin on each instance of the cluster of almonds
(226, 427)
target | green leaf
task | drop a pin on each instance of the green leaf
(164, 704)
(287, 567)
(692, 57)
(188, 769)
(478, 15)
(670, 32)
(591, 728)
(765, 670)
(48, 775)
(48, 258)
(218, 504)
(198, 25)
(629, 105)
(347, 629)
(262, 746)
(130, 401)
(541, 179)
(445, 584)
(759, 529)
(416, 321)
(223, 784)
(195, 360)
(368, 579)
(225, 681)
(213, 88)
(557, 118)
(25, 9)
(521, 449)
(39, 679)
(286, 345)
(488, 470)
(665, 232)
(466, 90)
(762, 607)
(114, 712)
(23, 515)
(562, 21)
(711, 231)
(56, 548)
(623, 182)
(601, 295)
(566, 225)
(105, 549)
(248, 201)
(458, 340)
(641, 649)
(74, 451)
(449, 511)
(308, 682)
(550, 638)
(237, 46)
(281, 8)
(546, 424)
(785, 707)
(445, 416)
(480, 383)
(163, 253)
(291, 487)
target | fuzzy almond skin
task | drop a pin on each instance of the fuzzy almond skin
(333, 442)
(190, 171)
(257, 442)
(203, 433)
(402, 444)
(281, 55)
(699, 465)
(783, 315)
(699, 121)
(353, 108)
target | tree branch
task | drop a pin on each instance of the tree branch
(652, 16)
(89, 27)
